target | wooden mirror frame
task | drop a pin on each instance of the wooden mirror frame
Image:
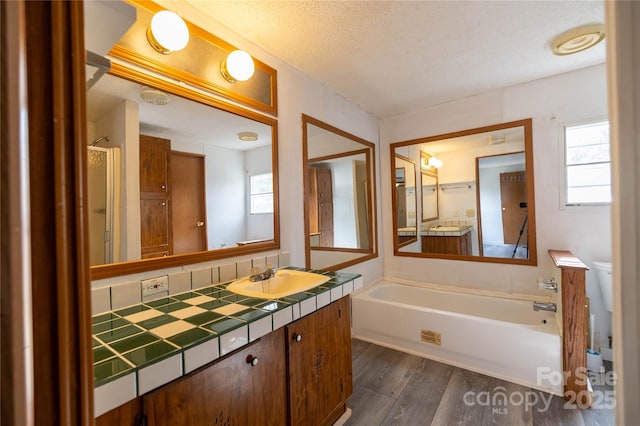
(527, 125)
(369, 151)
(424, 173)
(406, 241)
(426, 170)
(192, 93)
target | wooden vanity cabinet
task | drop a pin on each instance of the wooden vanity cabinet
(447, 244)
(231, 391)
(128, 414)
(303, 377)
(319, 359)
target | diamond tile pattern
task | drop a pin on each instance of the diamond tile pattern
(128, 340)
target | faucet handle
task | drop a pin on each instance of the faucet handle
(255, 270)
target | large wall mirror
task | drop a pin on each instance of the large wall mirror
(175, 175)
(476, 200)
(339, 182)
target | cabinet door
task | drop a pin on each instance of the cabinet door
(230, 392)
(155, 198)
(155, 232)
(154, 164)
(319, 356)
(128, 414)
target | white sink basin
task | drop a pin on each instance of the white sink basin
(285, 283)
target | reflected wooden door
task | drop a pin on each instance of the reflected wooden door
(325, 207)
(189, 210)
(513, 194)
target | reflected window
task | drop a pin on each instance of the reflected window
(587, 164)
(261, 193)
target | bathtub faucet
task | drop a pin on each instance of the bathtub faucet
(269, 272)
(540, 306)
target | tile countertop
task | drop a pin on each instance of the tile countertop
(447, 232)
(407, 231)
(142, 347)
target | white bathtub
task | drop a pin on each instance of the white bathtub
(500, 337)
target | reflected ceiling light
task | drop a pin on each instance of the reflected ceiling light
(238, 66)
(154, 96)
(248, 136)
(168, 32)
(435, 162)
(577, 39)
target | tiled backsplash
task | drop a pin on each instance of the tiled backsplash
(129, 292)
(447, 222)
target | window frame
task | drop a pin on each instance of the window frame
(564, 189)
(252, 194)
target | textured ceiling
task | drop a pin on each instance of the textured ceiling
(390, 57)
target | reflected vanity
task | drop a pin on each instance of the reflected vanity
(340, 221)
(476, 200)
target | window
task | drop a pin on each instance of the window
(587, 164)
(261, 193)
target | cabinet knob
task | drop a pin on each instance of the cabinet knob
(253, 360)
(162, 186)
(200, 224)
(297, 337)
(164, 204)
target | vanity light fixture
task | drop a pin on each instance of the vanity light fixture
(248, 136)
(435, 162)
(577, 39)
(168, 32)
(238, 66)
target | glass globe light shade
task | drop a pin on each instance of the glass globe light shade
(238, 65)
(168, 32)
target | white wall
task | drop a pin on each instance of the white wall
(226, 196)
(586, 231)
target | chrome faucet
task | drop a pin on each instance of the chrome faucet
(269, 272)
(540, 306)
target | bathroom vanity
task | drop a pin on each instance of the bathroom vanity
(447, 241)
(298, 373)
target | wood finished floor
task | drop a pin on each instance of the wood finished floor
(395, 388)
